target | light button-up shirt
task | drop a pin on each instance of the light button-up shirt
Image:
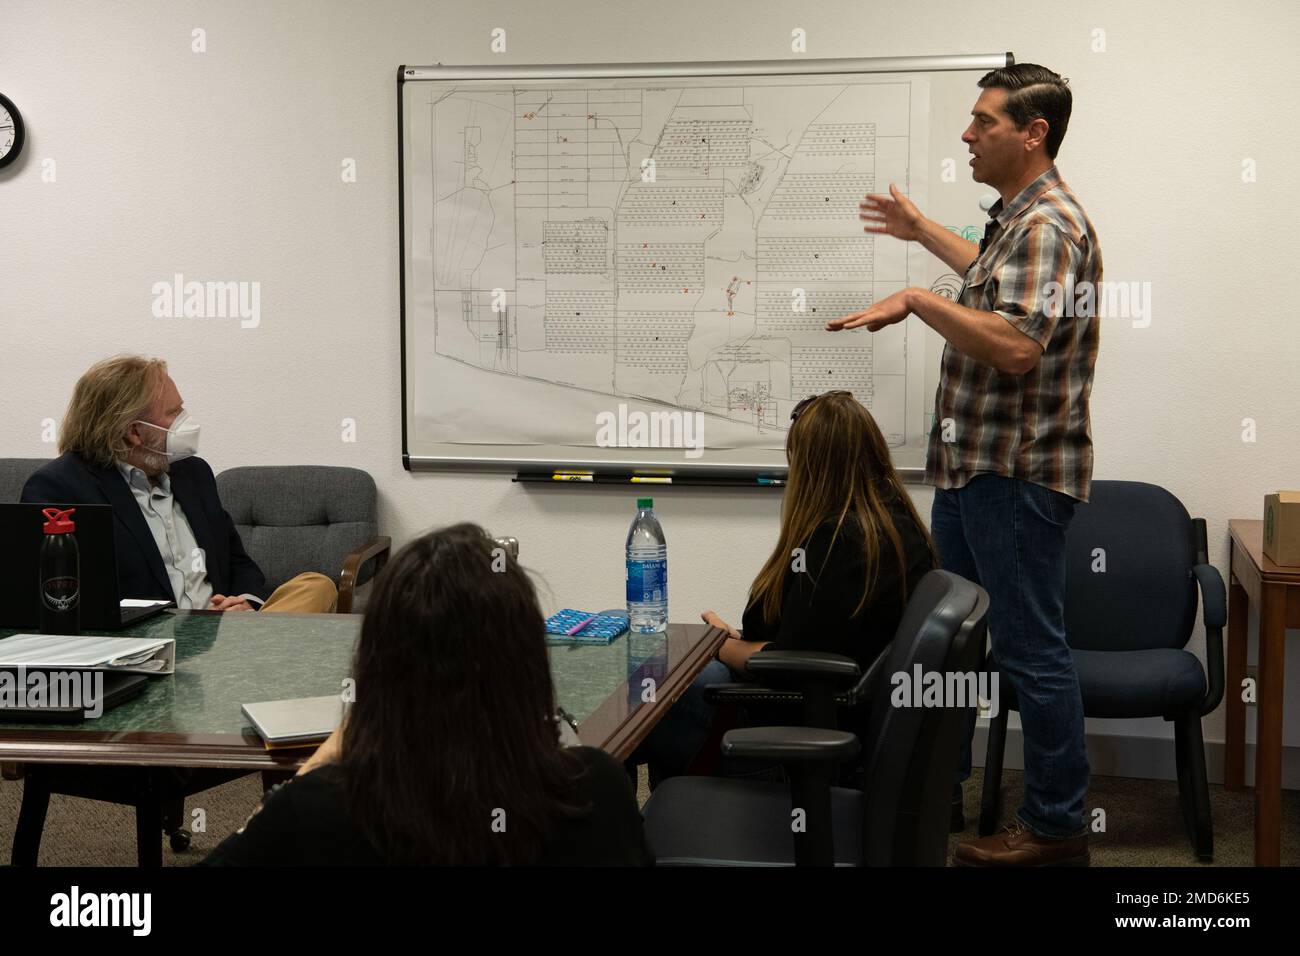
(182, 557)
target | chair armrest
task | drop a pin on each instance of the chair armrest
(818, 677)
(791, 744)
(1214, 612)
(803, 666)
(376, 549)
(809, 756)
(743, 693)
(1214, 597)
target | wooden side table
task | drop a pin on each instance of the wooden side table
(1275, 591)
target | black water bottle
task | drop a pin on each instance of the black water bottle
(60, 574)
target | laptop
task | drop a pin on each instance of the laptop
(21, 535)
(117, 689)
(290, 723)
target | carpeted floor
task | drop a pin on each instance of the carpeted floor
(1142, 824)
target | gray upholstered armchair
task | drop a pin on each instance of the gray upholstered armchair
(14, 473)
(296, 518)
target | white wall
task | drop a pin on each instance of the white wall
(225, 165)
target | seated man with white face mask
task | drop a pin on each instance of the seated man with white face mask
(128, 441)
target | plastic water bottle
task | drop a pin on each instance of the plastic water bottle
(647, 572)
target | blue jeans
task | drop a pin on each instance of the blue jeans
(1008, 536)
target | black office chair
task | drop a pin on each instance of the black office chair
(899, 818)
(785, 697)
(782, 696)
(1128, 626)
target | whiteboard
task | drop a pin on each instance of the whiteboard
(613, 271)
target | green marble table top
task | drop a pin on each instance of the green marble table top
(226, 660)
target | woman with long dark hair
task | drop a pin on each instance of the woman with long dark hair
(849, 551)
(450, 753)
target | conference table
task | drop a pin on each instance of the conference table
(615, 693)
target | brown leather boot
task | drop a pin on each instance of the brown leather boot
(1017, 845)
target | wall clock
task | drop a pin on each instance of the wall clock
(11, 131)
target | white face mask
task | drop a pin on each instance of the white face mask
(182, 437)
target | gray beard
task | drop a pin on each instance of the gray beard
(154, 463)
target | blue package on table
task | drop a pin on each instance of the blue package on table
(583, 627)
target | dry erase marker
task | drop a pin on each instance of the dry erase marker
(648, 480)
(771, 481)
(573, 476)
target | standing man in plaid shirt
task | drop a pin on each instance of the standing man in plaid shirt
(1010, 451)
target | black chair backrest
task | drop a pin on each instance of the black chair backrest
(1145, 597)
(911, 753)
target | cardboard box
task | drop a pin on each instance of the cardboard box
(1282, 528)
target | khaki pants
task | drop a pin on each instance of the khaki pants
(308, 593)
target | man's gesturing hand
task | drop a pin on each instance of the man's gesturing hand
(887, 311)
(896, 216)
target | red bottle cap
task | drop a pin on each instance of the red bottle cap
(58, 521)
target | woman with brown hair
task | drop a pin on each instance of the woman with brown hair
(849, 550)
(450, 754)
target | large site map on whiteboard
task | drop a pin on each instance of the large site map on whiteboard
(669, 244)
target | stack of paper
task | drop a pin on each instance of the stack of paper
(130, 655)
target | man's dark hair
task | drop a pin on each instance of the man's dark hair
(1034, 92)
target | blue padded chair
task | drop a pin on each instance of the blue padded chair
(910, 754)
(1128, 628)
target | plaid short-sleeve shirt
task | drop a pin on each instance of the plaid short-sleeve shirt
(1041, 248)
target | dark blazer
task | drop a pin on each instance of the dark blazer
(70, 479)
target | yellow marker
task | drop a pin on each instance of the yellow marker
(648, 480)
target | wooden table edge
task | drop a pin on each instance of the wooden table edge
(1248, 534)
(106, 748)
(623, 739)
(1264, 584)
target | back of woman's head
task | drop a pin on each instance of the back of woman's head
(449, 751)
(840, 469)
(835, 449)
